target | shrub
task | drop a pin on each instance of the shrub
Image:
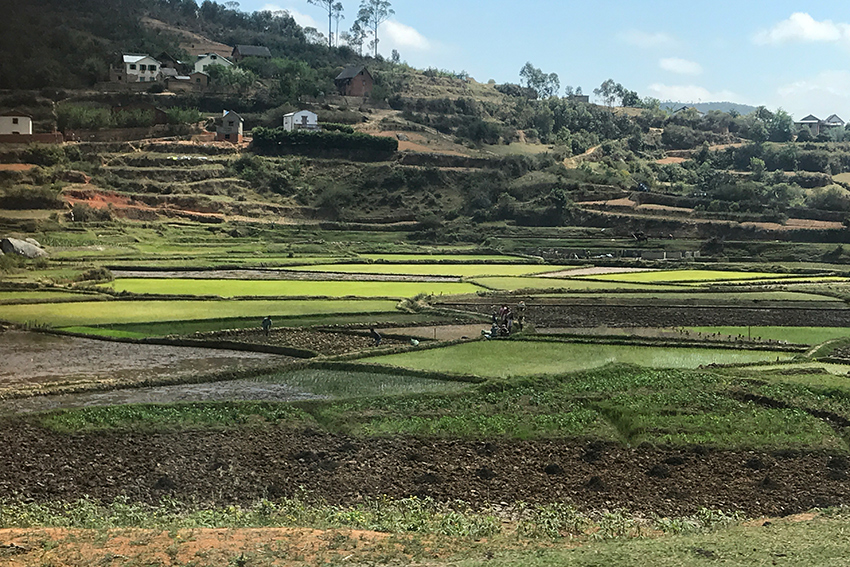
(29, 197)
(84, 213)
(44, 154)
(273, 140)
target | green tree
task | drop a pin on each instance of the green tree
(780, 127)
(371, 15)
(328, 6)
(357, 36)
(608, 92)
(545, 85)
(337, 14)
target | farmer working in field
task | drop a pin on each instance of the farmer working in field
(375, 335)
(267, 324)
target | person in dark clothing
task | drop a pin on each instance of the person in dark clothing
(375, 335)
(267, 324)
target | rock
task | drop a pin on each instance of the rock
(21, 248)
(402, 137)
(33, 241)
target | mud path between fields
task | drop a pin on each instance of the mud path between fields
(242, 466)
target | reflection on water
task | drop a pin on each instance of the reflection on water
(236, 390)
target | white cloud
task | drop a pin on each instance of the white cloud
(303, 20)
(680, 66)
(395, 35)
(690, 93)
(644, 39)
(821, 95)
(801, 27)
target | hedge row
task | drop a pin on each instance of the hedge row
(270, 139)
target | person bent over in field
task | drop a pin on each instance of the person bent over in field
(267, 325)
(375, 335)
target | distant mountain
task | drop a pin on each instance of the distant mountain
(708, 106)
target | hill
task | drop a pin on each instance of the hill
(709, 106)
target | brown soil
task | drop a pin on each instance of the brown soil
(669, 160)
(16, 166)
(543, 313)
(201, 547)
(194, 44)
(38, 363)
(244, 465)
(125, 206)
(323, 342)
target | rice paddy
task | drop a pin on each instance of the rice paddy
(503, 359)
(458, 270)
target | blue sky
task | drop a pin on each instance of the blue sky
(777, 53)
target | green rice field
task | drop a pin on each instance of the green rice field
(514, 283)
(43, 295)
(502, 359)
(104, 312)
(688, 276)
(351, 384)
(283, 288)
(797, 335)
(431, 258)
(459, 270)
(690, 296)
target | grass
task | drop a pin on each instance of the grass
(688, 276)
(514, 283)
(350, 384)
(712, 296)
(159, 417)
(459, 270)
(431, 258)
(105, 312)
(42, 295)
(502, 359)
(797, 335)
(283, 288)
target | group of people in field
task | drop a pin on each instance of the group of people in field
(505, 321)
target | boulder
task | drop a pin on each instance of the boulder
(21, 248)
(33, 241)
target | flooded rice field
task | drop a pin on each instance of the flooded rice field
(38, 362)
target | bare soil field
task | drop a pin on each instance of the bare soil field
(244, 465)
(543, 314)
(16, 166)
(39, 362)
(323, 342)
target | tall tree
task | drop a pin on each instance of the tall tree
(357, 37)
(544, 85)
(372, 14)
(328, 6)
(337, 10)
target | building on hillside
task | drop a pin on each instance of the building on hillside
(355, 81)
(230, 129)
(159, 115)
(136, 68)
(166, 61)
(301, 120)
(14, 122)
(816, 126)
(240, 52)
(193, 82)
(209, 59)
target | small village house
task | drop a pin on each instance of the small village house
(14, 122)
(301, 120)
(192, 82)
(209, 59)
(816, 126)
(136, 68)
(355, 81)
(231, 127)
(240, 52)
(167, 61)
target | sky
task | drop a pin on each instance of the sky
(780, 54)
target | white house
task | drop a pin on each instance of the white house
(15, 123)
(140, 68)
(208, 59)
(301, 120)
